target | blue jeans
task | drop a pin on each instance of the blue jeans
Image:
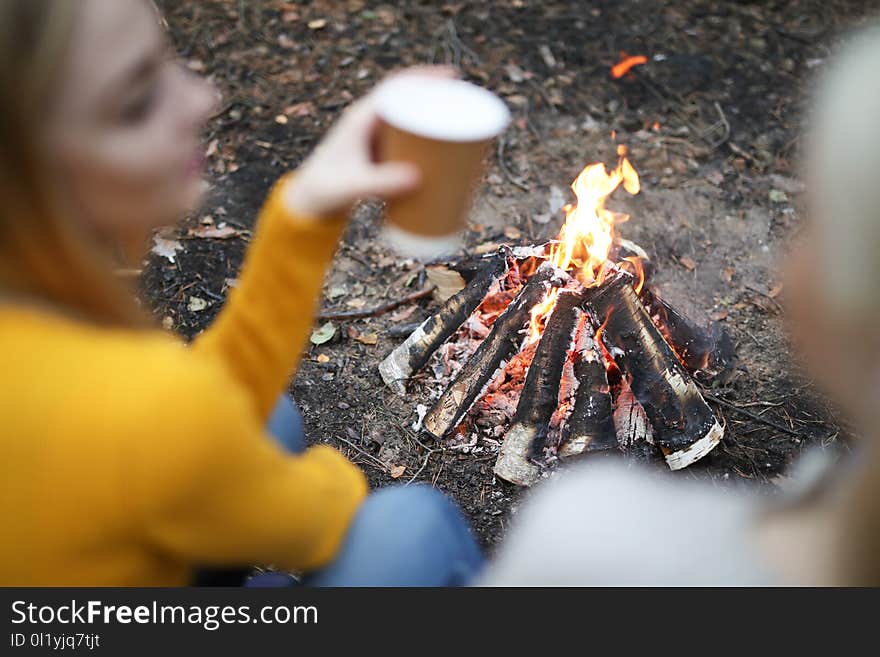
(401, 535)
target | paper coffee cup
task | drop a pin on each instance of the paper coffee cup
(442, 126)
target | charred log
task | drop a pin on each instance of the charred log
(709, 349)
(684, 426)
(632, 427)
(540, 395)
(414, 352)
(590, 426)
(503, 340)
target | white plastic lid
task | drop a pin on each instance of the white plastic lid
(441, 108)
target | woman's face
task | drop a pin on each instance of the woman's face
(123, 133)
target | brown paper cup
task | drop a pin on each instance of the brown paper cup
(443, 127)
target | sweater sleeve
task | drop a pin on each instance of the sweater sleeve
(214, 489)
(260, 333)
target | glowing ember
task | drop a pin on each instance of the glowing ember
(586, 238)
(623, 67)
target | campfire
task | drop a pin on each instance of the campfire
(565, 349)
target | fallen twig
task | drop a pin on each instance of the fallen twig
(382, 465)
(431, 452)
(750, 414)
(502, 143)
(343, 315)
(766, 295)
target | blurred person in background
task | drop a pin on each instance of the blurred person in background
(130, 458)
(606, 524)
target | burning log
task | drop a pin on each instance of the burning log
(590, 426)
(540, 395)
(698, 348)
(414, 352)
(684, 426)
(503, 341)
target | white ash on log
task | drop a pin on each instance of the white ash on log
(590, 426)
(540, 395)
(708, 349)
(414, 352)
(684, 426)
(632, 427)
(503, 341)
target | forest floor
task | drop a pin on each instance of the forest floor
(712, 121)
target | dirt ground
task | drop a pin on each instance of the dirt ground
(712, 122)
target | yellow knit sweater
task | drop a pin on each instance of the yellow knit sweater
(128, 457)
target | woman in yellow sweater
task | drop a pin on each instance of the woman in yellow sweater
(130, 458)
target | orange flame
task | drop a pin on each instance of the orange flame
(540, 313)
(623, 67)
(588, 233)
(635, 265)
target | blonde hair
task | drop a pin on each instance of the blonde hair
(843, 162)
(843, 167)
(44, 256)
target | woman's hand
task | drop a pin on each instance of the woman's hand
(342, 170)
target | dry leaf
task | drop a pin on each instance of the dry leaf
(778, 196)
(555, 201)
(167, 323)
(512, 232)
(774, 292)
(541, 218)
(166, 248)
(318, 24)
(720, 315)
(368, 338)
(715, 177)
(396, 471)
(688, 263)
(403, 314)
(787, 185)
(323, 358)
(487, 247)
(727, 274)
(357, 304)
(323, 334)
(196, 304)
(547, 56)
(281, 119)
(515, 73)
(306, 108)
(447, 281)
(214, 232)
(336, 291)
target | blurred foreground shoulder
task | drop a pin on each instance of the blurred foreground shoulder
(609, 524)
